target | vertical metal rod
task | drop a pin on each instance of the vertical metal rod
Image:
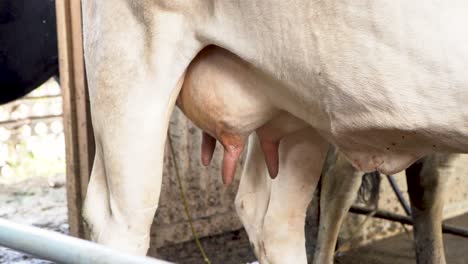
(62, 249)
(399, 195)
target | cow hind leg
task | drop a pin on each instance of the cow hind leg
(301, 159)
(339, 190)
(132, 93)
(426, 191)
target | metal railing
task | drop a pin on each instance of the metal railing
(61, 248)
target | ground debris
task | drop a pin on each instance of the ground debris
(33, 202)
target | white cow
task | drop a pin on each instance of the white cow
(383, 81)
(273, 212)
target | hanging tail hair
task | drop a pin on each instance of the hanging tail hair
(368, 193)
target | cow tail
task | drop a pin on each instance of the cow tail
(368, 193)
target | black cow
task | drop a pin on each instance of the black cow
(28, 46)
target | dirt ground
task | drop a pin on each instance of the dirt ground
(233, 248)
(228, 248)
(41, 202)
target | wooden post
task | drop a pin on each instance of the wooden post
(79, 140)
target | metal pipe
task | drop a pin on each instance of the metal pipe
(356, 209)
(61, 248)
(446, 228)
(399, 195)
(28, 120)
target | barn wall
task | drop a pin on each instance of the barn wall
(212, 205)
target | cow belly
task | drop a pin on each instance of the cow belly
(363, 82)
(386, 163)
(229, 101)
(392, 146)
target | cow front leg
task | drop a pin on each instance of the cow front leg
(253, 195)
(426, 191)
(301, 159)
(135, 70)
(339, 190)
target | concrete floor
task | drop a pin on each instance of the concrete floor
(233, 248)
(399, 249)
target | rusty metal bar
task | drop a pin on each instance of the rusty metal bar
(42, 97)
(28, 120)
(399, 195)
(446, 228)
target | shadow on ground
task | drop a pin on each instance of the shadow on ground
(399, 249)
(234, 248)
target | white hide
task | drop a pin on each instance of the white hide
(385, 81)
